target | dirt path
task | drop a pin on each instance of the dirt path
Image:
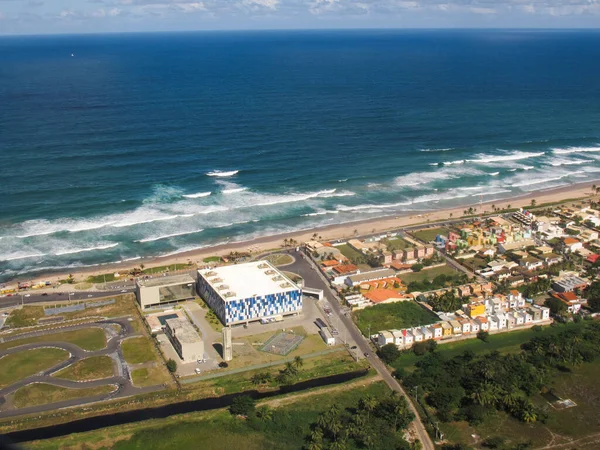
(591, 441)
(343, 387)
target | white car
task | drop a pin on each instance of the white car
(198, 371)
(27, 295)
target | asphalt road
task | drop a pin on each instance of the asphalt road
(122, 382)
(29, 297)
(314, 279)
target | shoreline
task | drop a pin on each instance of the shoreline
(326, 233)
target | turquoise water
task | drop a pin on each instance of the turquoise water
(117, 147)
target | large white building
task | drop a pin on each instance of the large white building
(247, 292)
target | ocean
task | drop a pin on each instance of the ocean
(124, 146)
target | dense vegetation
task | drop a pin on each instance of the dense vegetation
(468, 387)
(448, 301)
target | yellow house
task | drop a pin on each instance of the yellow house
(476, 310)
(446, 329)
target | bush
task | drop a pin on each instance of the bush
(494, 442)
(389, 353)
(172, 365)
(419, 348)
(483, 335)
(242, 406)
(417, 267)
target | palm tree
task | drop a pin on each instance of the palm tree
(142, 267)
(368, 403)
(290, 368)
(298, 362)
(264, 413)
(510, 400)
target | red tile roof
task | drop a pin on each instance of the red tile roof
(345, 268)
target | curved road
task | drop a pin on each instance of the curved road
(122, 383)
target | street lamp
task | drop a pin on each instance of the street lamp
(71, 293)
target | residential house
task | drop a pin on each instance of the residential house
(551, 259)
(417, 335)
(456, 326)
(427, 333)
(571, 300)
(385, 338)
(493, 323)
(483, 323)
(446, 329)
(474, 326)
(571, 245)
(520, 318)
(531, 263)
(502, 320)
(465, 326)
(398, 337)
(386, 257)
(476, 309)
(437, 331)
(408, 338)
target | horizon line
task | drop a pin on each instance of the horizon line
(295, 30)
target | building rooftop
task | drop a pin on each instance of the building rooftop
(241, 281)
(166, 281)
(372, 275)
(183, 331)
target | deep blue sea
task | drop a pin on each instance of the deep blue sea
(116, 147)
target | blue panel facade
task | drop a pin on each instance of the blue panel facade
(249, 309)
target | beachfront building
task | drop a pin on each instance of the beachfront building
(161, 291)
(188, 345)
(248, 292)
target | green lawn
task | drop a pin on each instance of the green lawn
(280, 259)
(150, 376)
(138, 350)
(87, 338)
(218, 430)
(429, 234)
(392, 316)
(397, 244)
(350, 253)
(212, 259)
(17, 366)
(97, 279)
(93, 368)
(429, 274)
(42, 394)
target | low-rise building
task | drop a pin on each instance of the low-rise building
(569, 283)
(186, 341)
(327, 336)
(385, 338)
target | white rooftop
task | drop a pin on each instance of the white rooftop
(241, 281)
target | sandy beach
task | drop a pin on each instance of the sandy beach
(333, 232)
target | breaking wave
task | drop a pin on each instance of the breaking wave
(222, 174)
(198, 195)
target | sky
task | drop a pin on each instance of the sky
(98, 16)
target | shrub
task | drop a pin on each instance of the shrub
(242, 406)
(172, 365)
(389, 353)
(483, 335)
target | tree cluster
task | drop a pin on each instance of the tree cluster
(439, 282)
(447, 302)
(468, 387)
(371, 424)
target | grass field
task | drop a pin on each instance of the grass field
(87, 338)
(280, 259)
(138, 350)
(218, 430)
(17, 366)
(392, 316)
(429, 234)
(353, 255)
(429, 274)
(92, 368)
(42, 394)
(212, 259)
(149, 376)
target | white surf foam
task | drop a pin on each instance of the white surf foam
(16, 256)
(493, 174)
(167, 236)
(445, 173)
(320, 213)
(569, 150)
(198, 195)
(88, 249)
(557, 162)
(234, 190)
(435, 149)
(221, 173)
